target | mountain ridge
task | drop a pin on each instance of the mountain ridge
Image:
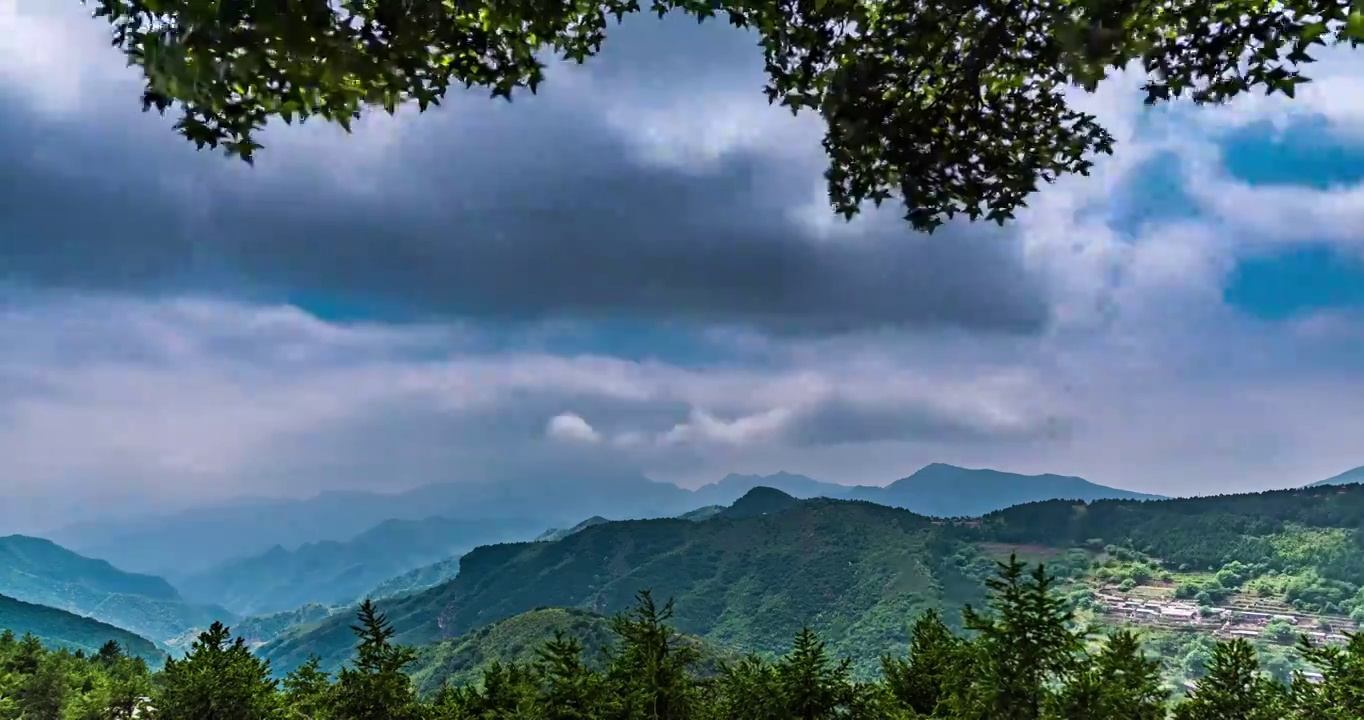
(185, 544)
(60, 629)
(39, 571)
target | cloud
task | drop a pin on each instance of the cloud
(599, 197)
(567, 426)
(635, 269)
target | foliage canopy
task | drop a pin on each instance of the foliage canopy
(953, 106)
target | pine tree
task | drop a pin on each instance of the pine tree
(1340, 694)
(1023, 648)
(651, 669)
(1120, 683)
(813, 686)
(218, 680)
(376, 686)
(918, 682)
(1234, 688)
(570, 690)
(307, 691)
(46, 691)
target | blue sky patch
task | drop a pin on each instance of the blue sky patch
(1306, 154)
(1295, 282)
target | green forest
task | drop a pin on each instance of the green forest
(1023, 655)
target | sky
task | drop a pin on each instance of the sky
(638, 267)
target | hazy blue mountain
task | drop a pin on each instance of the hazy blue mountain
(339, 573)
(949, 491)
(189, 542)
(412, 581)
(1345, 478)
(60, 629)
(734, 486)
(39, 571)
(186, 544)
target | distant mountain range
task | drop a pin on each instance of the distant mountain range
(1345, 478)
(341, 573)
(39, 571)
(754, 574)
(59, 629)
(190, 543)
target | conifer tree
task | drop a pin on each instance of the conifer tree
(376, 686)
(218, 680)
(1340, 694)
(307, 691)
(1023, 647)
(651, 668)
(918, 682)
(1234, 688)
(569, 689)
(813, 686)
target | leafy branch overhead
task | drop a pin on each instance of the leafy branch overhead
(952, 106)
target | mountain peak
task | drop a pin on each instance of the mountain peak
(760, 500)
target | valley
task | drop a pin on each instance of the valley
(746, 577)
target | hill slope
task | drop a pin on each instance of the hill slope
(855, 571)
(1349, 476)
(39, 571)
(461, 661)
(61, 629)
(339, 573)
(941, 490)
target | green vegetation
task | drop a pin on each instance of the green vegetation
(39, 571)
(851, 570)
(59, 629)
(1304, 546)
(954, 108)
(462, 661)
(1023, 656)
(38, 683)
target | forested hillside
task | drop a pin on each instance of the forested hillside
(1023, 656)
(59, 629)
(854, 570)
(1305, 545)
(39, 571)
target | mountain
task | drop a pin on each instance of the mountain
(759, 501)
(60, 629)
(702, 514)
(559, 534)
(260, 629)
(1345, 478)
(339, 573)
(854, 570)
(414, 581)
(196, 540)
(733, 486)
(39, 571)
(940, 490)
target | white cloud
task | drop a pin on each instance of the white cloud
(568, 426)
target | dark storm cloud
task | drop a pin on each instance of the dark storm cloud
(528, 211)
